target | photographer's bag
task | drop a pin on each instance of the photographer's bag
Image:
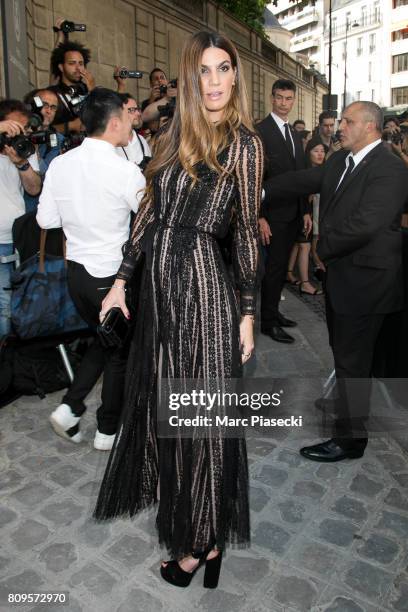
(40, 301)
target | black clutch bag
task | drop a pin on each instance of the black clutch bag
(115, 328)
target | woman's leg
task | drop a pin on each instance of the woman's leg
(291, 264)
(303, 262)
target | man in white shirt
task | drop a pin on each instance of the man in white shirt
(16, 176)
(137, 149)
(90, 192)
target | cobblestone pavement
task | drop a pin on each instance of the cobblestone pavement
(324, 537)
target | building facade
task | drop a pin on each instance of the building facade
(142, 34)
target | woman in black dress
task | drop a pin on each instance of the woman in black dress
(189, 324)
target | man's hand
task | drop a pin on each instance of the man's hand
(154, 93)
(264, 230)
(12, 155)
(335, 146)
(12, 128)
(307, 224)
(120, 82)
(88, 79)
(171, 92)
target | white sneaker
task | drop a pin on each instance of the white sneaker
(103, 442)
(66, 424)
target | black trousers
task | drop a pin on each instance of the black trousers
(276, 266)
(352, 339)
(87, 293)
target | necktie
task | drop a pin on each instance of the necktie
(288, 139)
(349, 170)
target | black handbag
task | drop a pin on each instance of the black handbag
(114, 329)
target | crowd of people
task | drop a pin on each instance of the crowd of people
(166, 180)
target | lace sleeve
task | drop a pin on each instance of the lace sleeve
(132, 249)
(249, 173)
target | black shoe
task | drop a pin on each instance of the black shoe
(284, 322)
(277, 333)
(175, 575)
(330, 451)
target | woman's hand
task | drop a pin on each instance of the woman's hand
(115, 297)
(264, 231)
(246, 334)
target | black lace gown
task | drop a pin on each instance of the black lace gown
(187, 326)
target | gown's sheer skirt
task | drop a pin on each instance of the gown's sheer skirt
(187, 326)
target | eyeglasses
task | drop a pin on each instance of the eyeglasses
(133, 109)
(52, 107)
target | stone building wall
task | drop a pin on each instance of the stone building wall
(141, 35)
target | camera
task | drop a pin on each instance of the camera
(167, 110)
(336, 137)
(70, 26)
(72, 140)
(36, 119)
(75, 98)
(163, 88)
(21, 144)
(124, 73)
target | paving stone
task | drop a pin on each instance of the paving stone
(10, 480)
(290, 458)
(6, 516)
(4, 562)
(336, 532)
(327, 472)
(396, 499)
(272, 476)
(399, 599)
(32, 494)
(90, 489)
(392, 462)
(258, 499)
(62, 513)
(272, 537)
(343, 604)
(314, 557)
(71, 606)
(23, 424)
(402, 480)
(248, 569)
(130, 550)
(366, 486)
(220, 601)
(94, 579)
(308, 488)
(44, 435)
(351, 508)
(396, 523)
(18, 448)
(59, 556)
(371, 581)
(27, 581)
(66, 475)
(379, 444)
(379, 548)
(37, 463)
(291, 511)
(95, 534)
(295, 592)
(145, 601)
(65, 447)
(30, 533)
(260, 447)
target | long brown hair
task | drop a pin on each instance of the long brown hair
(191, 137)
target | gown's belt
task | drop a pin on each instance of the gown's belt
(188, 236)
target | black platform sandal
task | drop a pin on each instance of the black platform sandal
(175, 575)
(312, 293)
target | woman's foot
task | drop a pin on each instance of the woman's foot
(291, 278)
(309, 289)
(189, 564)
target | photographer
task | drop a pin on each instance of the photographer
(68, 62)
(90, 193)
(395, 139)
(161, 108)
(327, 132)
(162, 93)
(44, 105)
(16, 175)
(137, 150)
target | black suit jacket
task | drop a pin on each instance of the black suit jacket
(359, 225)
(278, 159)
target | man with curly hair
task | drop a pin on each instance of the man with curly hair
(68, 63)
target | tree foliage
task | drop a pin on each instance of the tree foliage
(249, 11)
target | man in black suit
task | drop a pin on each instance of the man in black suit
(279, 219)
(362, 193)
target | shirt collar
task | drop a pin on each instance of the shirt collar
(97, 144)
(358, 157)
(279, 120)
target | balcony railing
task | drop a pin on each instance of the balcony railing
(340, 31)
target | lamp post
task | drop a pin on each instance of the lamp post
(355, 25)
(330, 55)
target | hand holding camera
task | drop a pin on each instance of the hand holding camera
(12, 128)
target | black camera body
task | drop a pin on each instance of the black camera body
(163, 88)
(21, 144)
(75, 98)
(124, 73)
(167, 110)
(70, 26)
(72, 140)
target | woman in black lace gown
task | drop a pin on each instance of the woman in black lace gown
(189, 324)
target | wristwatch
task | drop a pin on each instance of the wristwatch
(24, 167)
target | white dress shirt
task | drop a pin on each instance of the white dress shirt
(89, 192)
(133, 152)
(281, 125)
(357, 158)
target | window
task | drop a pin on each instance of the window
(370, 71)
(377, 12)
(358, 95)
(372, 43)
(363, 19)
(400, 62)
(344, 51)
(334, 26)
(359, 46)
(399, 95)
(397, 3)
(399, 35)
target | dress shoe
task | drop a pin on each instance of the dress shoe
(284, 322)
(277, 333)
(330, 451)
